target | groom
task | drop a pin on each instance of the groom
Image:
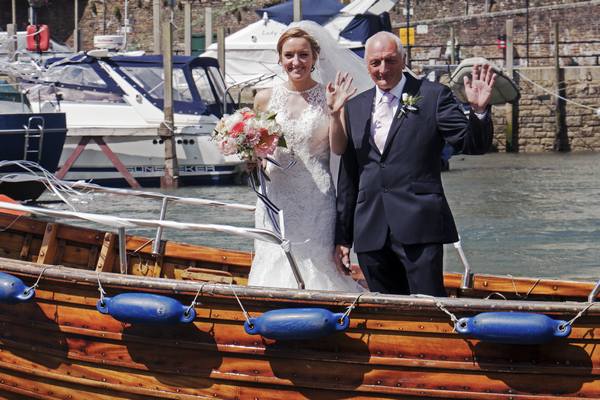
(390, 200)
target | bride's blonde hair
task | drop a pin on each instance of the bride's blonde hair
(298, 33)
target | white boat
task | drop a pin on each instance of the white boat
(118, 101)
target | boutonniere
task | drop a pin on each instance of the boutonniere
(409, 104)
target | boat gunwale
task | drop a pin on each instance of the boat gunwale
(416, 304)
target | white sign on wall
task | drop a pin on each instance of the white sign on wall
(422, 29)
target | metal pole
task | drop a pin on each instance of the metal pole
(511, 143)
(14, 12)
(11, 32)
(407, 33)
(76, 26)
(594, 293)
(156, 25)
(166, 130)
(208, 29)
(527, 31)
(122, 251)
(159, 230)
(297, 10)
(452, 48)
(187, 28)
(221, 59)
(125, 24)
(466, 279)
(561, 141)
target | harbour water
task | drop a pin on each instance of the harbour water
(525, 215)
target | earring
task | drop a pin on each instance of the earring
(312, 68)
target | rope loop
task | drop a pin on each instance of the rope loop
(187, 311)
(36, 284)
(246, 315)
(443, 308)
(575, 318)
(350, 308)
(101, 290)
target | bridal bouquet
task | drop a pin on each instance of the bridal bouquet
(249, 134)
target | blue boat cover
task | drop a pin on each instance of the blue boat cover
(364, 26)
(319, 11)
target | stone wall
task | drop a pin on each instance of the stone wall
(477, 29)
(477, 25)
(105, 17)
(537, 122)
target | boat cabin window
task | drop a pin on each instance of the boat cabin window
(12, 100)
(217, 79)
(203, 85)
(79, 74)
(151, 80)
(42, 93)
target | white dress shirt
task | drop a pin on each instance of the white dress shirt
(381, 123)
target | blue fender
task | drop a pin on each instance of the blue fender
(297, 324)
(513, 327)
(146, 308)
(13, 290)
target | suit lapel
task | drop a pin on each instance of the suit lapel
(411, 87)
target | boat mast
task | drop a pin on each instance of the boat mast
(166, 130)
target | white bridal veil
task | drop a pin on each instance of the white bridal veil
(334, 58)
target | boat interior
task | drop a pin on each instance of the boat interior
(40, 239)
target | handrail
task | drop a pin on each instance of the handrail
(594, 292)
(139, 193)
(120, 223)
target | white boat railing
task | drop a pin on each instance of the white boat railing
(122, 224)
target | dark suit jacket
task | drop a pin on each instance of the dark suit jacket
(401, 189)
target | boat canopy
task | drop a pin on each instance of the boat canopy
(319, 11)
(197, 84)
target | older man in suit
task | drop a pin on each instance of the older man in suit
(391, 203)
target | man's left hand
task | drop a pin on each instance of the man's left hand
(479, 89)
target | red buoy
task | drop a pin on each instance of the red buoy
(38, 38)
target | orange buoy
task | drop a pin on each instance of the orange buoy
(38, 38)
(7, 199)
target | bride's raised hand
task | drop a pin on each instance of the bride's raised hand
(338, 92)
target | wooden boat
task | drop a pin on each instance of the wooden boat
(58, 345)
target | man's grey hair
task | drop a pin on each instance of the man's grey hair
(389, 35)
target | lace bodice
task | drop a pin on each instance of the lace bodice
(304, 119)
(304, 192)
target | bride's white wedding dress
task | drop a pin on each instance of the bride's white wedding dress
(305, 193)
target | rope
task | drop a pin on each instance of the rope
(439, 305)
(7, 227)
(101, 290)
(350, 308)
(596, 110)
(246, 315)
(489, 296)
(187, 311)
(579, 314)
(528, 292)
(36, 284)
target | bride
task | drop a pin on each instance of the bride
(310, 114)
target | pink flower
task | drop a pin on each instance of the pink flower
(248, 114)
(228, 147)
(237, 129)
(267, 144)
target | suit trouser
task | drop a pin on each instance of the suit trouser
(404, 268)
